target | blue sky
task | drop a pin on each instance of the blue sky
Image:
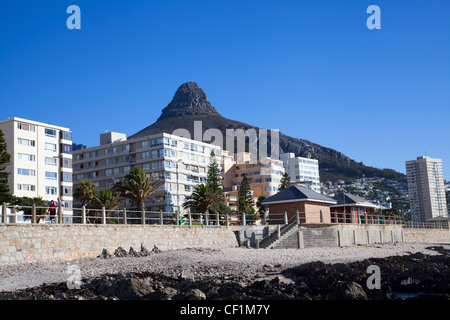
(311, 69)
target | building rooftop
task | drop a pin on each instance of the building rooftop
(298, 193)
(351, 199)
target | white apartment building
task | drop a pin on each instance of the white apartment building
(181, 162)
(426, 189)
(41, 160)
(302, 170)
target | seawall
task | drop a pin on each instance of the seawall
(21, 243)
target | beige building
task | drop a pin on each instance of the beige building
(182, 163)
(264, 176)
(41, 160)
(426, 189)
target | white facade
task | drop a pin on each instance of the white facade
(41, 160)
(302, 170)
(181, 162)
(426, 189)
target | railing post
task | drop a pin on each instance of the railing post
(14, 214)
(83, 215)
(4, 213)
(206, 217)
(264, 218)
(177, 218)
(227, 223)
(217, 218)
(285, 218)
(243, 219)
(161, 222)
(143, 216)
(61, 214)
(124, 215)
(103, 215)
(278, 231)
(297, 217)
(33, 213)
(189, 218)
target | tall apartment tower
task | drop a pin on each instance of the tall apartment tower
(426, 189)
(182, 163)
(41, 159)
(302, 170)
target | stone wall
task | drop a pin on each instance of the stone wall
(426, 235)
(20, 243)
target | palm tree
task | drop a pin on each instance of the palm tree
(107, 199)
(203, 199)
(85, 192)
(138, 185)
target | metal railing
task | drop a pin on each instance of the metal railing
(83, 215)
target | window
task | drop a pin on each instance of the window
(26, 187)
(126, 169)
(50, 190)
(115, 160)
(145, 155)
(166, 141)
(156, 142)
(66, 176)
(26, 142)
(144, 144)
(157, 165)
(66, 148)
(107, 162)
(50, 147)
(116, 171)
(26, 157)
(66, 135)
(126, 159)
(50, 132)
(26, 127)
(157, 153)
(26, 172)
(126, 147)
(108, 151)
(50, 175)
(66, 191)
(66, 162)
(50, 161)
(108, 172)
(116, 150)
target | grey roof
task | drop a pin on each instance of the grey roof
(297, 193)
(351, 199)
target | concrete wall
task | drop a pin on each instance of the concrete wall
(427, 235)
(20, 243)
(334, 235)
(364, 234)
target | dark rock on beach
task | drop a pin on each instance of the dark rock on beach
(414, 277)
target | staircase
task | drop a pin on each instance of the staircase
(288, 238)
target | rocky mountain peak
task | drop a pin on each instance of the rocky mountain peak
(188, 100)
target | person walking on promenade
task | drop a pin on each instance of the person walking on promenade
(52, 211)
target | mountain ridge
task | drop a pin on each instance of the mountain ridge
(190, 104)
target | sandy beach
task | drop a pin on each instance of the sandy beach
(200, 262)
